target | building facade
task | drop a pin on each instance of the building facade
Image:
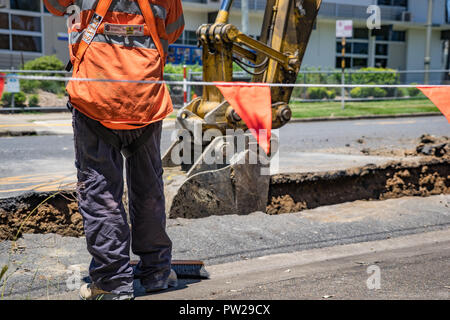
(27, 31)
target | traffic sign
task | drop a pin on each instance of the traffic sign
(12, 84)
(344, 28)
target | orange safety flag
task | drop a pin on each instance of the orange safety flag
(440, 96)
(2, 83)
(253, 105)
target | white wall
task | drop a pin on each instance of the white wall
(321, 50)
(397, 55)
(193, 19)
(52, 26)
(415, 53)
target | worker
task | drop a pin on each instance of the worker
(112, 120)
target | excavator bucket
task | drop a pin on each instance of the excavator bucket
(230, 176)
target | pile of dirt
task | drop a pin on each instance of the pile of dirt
(284, 204)
(25, 214)
(413, 183)
(433, 146)
(393, 180)
(48, 99)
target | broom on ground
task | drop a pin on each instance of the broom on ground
(186, 269)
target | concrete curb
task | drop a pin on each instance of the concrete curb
(381, 116)
(33, 109)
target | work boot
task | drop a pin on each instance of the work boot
(171, 281)
(90, 291)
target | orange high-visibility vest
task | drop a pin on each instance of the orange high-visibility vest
(121, 40)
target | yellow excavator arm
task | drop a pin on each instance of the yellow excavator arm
(203, 168)
(275, 58)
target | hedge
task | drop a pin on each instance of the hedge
(47, 63)
(19, 99)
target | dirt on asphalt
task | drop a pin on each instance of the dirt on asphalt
(426, 145)
(30, 214)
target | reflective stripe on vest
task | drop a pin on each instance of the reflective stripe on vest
(127, 41)
(125, 6)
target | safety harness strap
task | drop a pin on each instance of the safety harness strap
(91, 30)
(151, 24)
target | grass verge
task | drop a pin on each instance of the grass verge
(353, 109)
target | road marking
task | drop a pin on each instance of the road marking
(384, 123)
(39, 182)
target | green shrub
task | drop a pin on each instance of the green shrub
(368, 92)
(317, 93)
(178, 68)
(45, 63)
(378, 92)
(331, 94)
(413, 92)
(389, 76)
(48, 63)
(6, 99)
(401, 92)
(19, 99)
(356, 92)
(33, 100)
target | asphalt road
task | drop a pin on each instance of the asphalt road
(411, 267)
(41, 264)
(45, 162)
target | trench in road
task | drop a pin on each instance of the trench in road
(57, 212)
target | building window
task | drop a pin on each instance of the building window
(398, 36)
(381, 49)
(348, 47)
(361, 33)
(188, 37)
(380, 62)
(359, 63)
(4, 21)
(356, 53)
(25, 23)
(21, 31)
(4, 41)
(396, 3)
(360, 48)
(26, 5)
(27, 43)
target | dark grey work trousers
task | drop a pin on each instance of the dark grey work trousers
(99, 190)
